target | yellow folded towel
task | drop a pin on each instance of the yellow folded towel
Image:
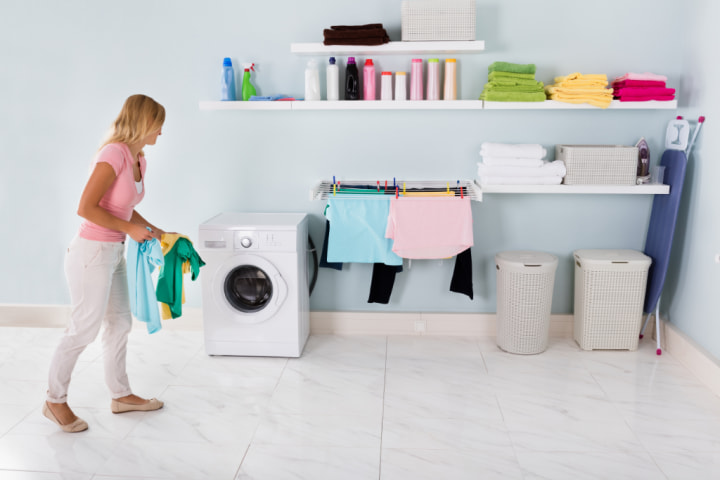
(579, 79)
(579, 91)
(601, 101)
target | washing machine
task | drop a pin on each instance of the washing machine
(255, 296)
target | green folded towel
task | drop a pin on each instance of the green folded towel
(491, 96)
(509, 82)
(514, 88)
(512, 67)
(510, 75)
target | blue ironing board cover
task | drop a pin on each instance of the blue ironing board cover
(662, 225)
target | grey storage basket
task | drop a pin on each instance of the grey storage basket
(609, 295)
(437, 20)
(525, 281)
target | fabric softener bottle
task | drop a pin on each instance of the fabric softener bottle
(352, 80)
(228, 81)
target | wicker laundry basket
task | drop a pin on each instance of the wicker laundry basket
(598, 164)
(432, 20)
(525, 281)
(609, 295)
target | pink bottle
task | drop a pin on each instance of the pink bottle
(416, 79)
(369, 80)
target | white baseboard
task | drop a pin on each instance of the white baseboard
(675, 343)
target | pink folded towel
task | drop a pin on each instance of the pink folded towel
(659, 98)
(638, 83)
(642, 91)
(430, 227)
(641, 76)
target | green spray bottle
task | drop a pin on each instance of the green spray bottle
(248, 90)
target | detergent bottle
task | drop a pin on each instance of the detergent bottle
(228, 81)
(312, 81)
(248, 90)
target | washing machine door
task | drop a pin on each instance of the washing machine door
(250, 287)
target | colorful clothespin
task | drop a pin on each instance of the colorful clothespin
(397, 192)
(385, 185)
(333, 179)
(333, 188)
(461, 193)
(378, 185)
(448, 187)
(403, 188)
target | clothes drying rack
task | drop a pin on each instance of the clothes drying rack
(326, 189)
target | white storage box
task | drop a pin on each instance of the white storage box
(525, 283)
(429, 20)
(609, 294)
(598, 164)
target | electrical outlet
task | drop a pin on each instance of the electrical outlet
(420, 326)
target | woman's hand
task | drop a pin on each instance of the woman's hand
(139, 233)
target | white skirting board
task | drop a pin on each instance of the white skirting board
(675, 343)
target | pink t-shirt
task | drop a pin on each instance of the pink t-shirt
(122, 196)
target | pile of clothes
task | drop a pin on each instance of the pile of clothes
(641, 87)
(581, 88)
(517, 164)
(512, 82)
(370, 34)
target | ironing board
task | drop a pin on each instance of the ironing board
(658, 243)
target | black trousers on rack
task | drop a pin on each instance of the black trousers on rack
(383, 279)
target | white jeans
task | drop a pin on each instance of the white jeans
(97, 278)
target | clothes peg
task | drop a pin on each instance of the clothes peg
(333, 188)
(448, 187)
(404, 188)
(397, 193)
(385, 185)
(333, 179)
(378, 185)
(394, 182)
(461, 193)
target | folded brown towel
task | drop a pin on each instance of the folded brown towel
(368, 34)
(358, 27)
(357, 41)
(359, 33)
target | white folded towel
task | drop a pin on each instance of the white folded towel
(518, 150)
(520, 180)
(513, 162)
(547, 169)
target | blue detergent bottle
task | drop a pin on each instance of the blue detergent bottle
(228, 81)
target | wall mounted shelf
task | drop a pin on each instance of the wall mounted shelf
(429, 105)
(647, 189)
(391, 48)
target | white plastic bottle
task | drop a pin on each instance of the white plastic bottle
(400, 86)
(433, 79)
(312, 81)
(450, 90)
(386, 86)
(333, 92)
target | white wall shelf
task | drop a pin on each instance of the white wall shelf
(391, 48)
(426, 105)
(647, 189)
(555, 105)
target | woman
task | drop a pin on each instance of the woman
(95, 262)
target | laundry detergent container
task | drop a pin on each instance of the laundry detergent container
(525, 281)
(609, 294)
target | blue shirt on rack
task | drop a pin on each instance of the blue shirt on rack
(142, 258)
(357, 231)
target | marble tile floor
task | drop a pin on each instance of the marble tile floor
(360, 408)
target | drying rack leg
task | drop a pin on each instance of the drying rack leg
(657, 327)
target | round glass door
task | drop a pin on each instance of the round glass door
(248, 288)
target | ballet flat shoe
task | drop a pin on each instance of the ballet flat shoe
(78, 425)
(120, 407)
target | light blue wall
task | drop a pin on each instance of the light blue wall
(73, 63)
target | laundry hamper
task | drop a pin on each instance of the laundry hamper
(609, 295)
(525, 282)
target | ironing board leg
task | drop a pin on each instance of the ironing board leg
(642, 330)
(657, 327)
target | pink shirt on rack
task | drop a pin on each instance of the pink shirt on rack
(122, 196)
(430, 227)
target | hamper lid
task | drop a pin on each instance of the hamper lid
(607, 256)
(526, 258)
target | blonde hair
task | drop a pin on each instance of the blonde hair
(139, 117)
